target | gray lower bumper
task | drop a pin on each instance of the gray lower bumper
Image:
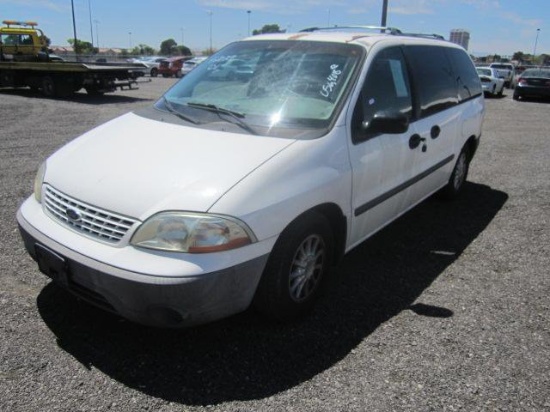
(189, 301)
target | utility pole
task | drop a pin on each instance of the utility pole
(76, 48)
(91, 26)
(384, 13)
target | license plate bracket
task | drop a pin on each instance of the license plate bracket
(52, 264)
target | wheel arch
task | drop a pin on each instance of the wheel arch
(471, 145)
(337, 222)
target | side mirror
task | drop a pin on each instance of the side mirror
(387, 123)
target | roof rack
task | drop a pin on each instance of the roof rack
(389, 30)
(425, 35)
(382, 29)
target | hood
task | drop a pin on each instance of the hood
(136, 166)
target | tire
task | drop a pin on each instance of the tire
(154, 72)
(48, 86)
(458, 176)
(93, 91)
(515, 96)
(296, 270)
(64, 87)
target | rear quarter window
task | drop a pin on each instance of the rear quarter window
(467, 79)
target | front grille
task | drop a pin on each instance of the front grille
(90, 220)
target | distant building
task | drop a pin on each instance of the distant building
(461, 37)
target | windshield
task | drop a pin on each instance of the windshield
(484, 72)
(278, 88)
(536, 73)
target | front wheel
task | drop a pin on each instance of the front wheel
(154, 72)
(296, 269)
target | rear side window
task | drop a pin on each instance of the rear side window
(466, 76)
(433, 77)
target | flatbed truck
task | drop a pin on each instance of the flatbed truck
(25, 62)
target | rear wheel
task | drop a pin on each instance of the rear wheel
(154, 72)
(296, 269)
(48, 86)
(458, 177)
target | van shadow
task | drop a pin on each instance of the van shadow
(245, 357)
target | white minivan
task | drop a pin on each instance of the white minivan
(254, 174)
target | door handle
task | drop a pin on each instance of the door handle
(435, 131)
(415, 140)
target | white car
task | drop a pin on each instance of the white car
(232, 190)
(151, 63)
(491, 83)
(191, 64)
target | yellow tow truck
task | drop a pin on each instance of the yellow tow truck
(25, 62)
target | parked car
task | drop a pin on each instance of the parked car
(172, 66)
(151, 63)
(533, 83)
(191, 64)
(490, 82)
(517, 73)
(505, 71)
(247, 190)
(55, 58)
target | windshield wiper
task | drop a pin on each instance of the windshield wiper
(237, 116)
(170, 107)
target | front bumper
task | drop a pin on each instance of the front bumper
(147, 299)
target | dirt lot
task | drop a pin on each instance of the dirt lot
(446, 309)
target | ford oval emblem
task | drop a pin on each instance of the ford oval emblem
(73, 215)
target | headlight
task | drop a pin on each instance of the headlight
(192, 233)
(38, 180)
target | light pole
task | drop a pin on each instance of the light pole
(328, 17)
(91, 26)
(248, 12)
(76, 48)
(130, 40)
(182, 38)
(210, 14)
(384, 13)
(535, 48)
(96, 33)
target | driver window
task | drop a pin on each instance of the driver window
(386, 89)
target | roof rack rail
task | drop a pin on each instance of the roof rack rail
(425, 35)
(390, 30)
(382, 29)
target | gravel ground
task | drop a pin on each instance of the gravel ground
(447, 309)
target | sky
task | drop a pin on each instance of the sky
(496, 26)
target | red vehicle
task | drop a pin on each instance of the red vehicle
(172, 66)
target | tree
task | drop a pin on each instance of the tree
(184, 50)
(45, 40)
(81, 47)
(167, 47)
(519, 56)
(268, 28)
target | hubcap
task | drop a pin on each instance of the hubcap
(307, 268)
